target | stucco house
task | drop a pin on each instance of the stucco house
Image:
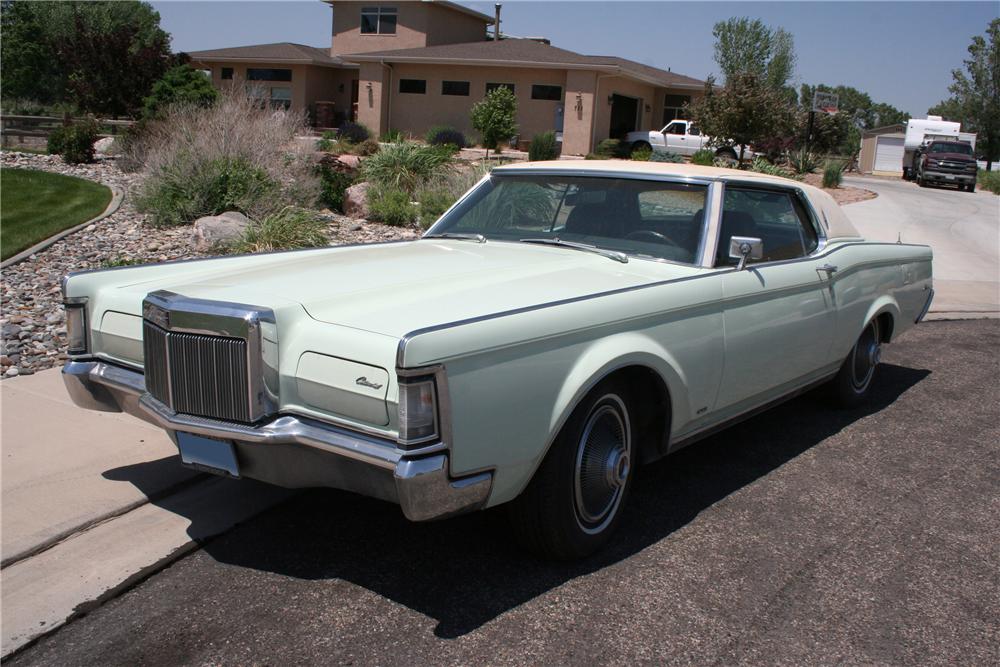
(409, 65)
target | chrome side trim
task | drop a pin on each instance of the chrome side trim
(401, 347)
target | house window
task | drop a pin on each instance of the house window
(378, 20)
(264, 74)
(673, 107)
(413, 86)
(281, 98)
(544, 92)
(227, 73)
(455, 88)
(490, 87)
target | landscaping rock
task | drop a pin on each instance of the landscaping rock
(356, 201)
(103, 146)
(30, 293)
(218, 230)
(350, 161)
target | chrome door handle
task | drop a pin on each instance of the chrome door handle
(829, 269)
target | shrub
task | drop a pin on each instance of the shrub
(405, 166)
(391, 206)
(609, 148)
(543, 147)
(393, 137)
(433, 202)
(355, 133)
(833, 174)
(443, 135)
(704, 156)
(665, 156)
(325, 142)
(641, 154)
(333, 183)
(74, 142)
(495, 117)
(762, 166)
(989, 180)
(367, 147)
(180, 85)
(287, 229)
(178, 196)
(233, 155)
(803, 162)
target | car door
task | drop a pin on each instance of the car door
(779, 312)
(674, 136)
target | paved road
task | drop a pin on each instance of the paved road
(806, 535)
(963, 229)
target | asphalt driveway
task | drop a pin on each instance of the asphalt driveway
(803, 536)
(962, 228)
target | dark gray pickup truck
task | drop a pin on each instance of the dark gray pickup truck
(946, 163)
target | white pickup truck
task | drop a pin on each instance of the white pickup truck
(679, 136)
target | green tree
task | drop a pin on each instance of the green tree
(495, 117)
(975, 100)
(856, 108)
(180, 85)
(747, 46)
(746, 112)
(101, 57)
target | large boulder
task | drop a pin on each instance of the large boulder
(104, 145)
(351, 162)
(356, 201)
(224, 229)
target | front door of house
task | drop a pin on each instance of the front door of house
(624, 112)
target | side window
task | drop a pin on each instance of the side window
(693, 130)
(675, 128)
(776, 218)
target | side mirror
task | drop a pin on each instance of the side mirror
(745, 248)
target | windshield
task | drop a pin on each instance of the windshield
(656, 219)
(964, 149)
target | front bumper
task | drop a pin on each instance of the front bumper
(948, 177)
(293, 451)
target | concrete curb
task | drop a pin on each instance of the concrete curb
(117, 195)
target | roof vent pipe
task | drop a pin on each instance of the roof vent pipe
(496, 25)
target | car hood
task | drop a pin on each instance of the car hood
(396, 288)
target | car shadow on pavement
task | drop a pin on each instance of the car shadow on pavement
(466, 571)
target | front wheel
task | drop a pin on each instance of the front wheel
(641, 146)
(852, 385)
(574, 502)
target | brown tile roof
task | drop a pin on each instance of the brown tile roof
(278, 52)
(530, 53)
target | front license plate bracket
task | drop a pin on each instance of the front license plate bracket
(208, 454)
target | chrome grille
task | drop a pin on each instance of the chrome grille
(197, 374)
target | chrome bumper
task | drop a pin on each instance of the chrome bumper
(295, 452)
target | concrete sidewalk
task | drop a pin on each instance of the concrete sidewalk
(92, 502)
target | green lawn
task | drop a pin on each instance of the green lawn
(36, 204)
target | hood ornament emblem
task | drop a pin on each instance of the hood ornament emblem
(365, 382)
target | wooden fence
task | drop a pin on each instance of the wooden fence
(33, 131)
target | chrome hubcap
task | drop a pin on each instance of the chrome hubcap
(867, 355)
(603, 463)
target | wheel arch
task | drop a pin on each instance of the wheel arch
(886, 311)
(648, 370)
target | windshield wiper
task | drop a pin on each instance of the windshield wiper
(478, 238)
(611, 254)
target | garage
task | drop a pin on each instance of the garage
(889, 154)
(882, 150)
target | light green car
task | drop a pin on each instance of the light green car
(559, 325)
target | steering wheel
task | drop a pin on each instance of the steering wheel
(649, 235)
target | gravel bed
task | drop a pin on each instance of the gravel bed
(31, 315)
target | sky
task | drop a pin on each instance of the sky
(901, 53)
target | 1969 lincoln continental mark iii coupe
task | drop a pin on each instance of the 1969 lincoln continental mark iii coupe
(561, 324)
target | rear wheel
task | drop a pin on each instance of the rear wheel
(574, 503)
(853, 383)
(727, 154)
(641, 146)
